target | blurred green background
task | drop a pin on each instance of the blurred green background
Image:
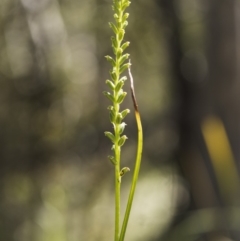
(56, 183)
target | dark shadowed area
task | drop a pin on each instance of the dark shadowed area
(56, 183)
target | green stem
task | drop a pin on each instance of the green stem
(117, 193)
(135, 176)
(117, 170)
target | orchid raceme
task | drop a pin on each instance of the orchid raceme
(116, 95)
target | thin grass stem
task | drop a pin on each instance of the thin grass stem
(137, 163)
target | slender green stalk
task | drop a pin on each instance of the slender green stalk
(117, 195)
(137, 163)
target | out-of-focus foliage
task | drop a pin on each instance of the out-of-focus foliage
(56, 183)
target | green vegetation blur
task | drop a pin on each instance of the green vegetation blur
(56, 183)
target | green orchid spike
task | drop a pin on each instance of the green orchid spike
(116, 95)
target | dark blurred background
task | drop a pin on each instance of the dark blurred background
(56, 183)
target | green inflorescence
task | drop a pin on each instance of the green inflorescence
(119, 65)
(116, 95)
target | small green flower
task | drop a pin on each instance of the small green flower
(122, 140)
(110, 136)
(109, 96)
(112, 160)
(121, 97)
(124, 170)
(122, 127)
(124, 113)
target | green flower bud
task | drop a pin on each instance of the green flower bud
(111, 60)
(119, 85)
(121, 34)
(113, 27)
(123, 58)
(125, 16)
(125, 5)
(119, 52)
(124, 78)
(110, 107)
(122, 140)
(124, 67)
(119, 118)
(124, 170)
(117, 3)
(112, 160)
(116, 9)
(122, 127)
(114, 42)
(116, 16)
(125, 24)
(110, 136)
(121, 97)
(113, 75)
(125, 45)
(110, 84)
(124, 113)
(108, 95)
(111, 114)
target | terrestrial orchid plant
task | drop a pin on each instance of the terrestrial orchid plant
(116, 96)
